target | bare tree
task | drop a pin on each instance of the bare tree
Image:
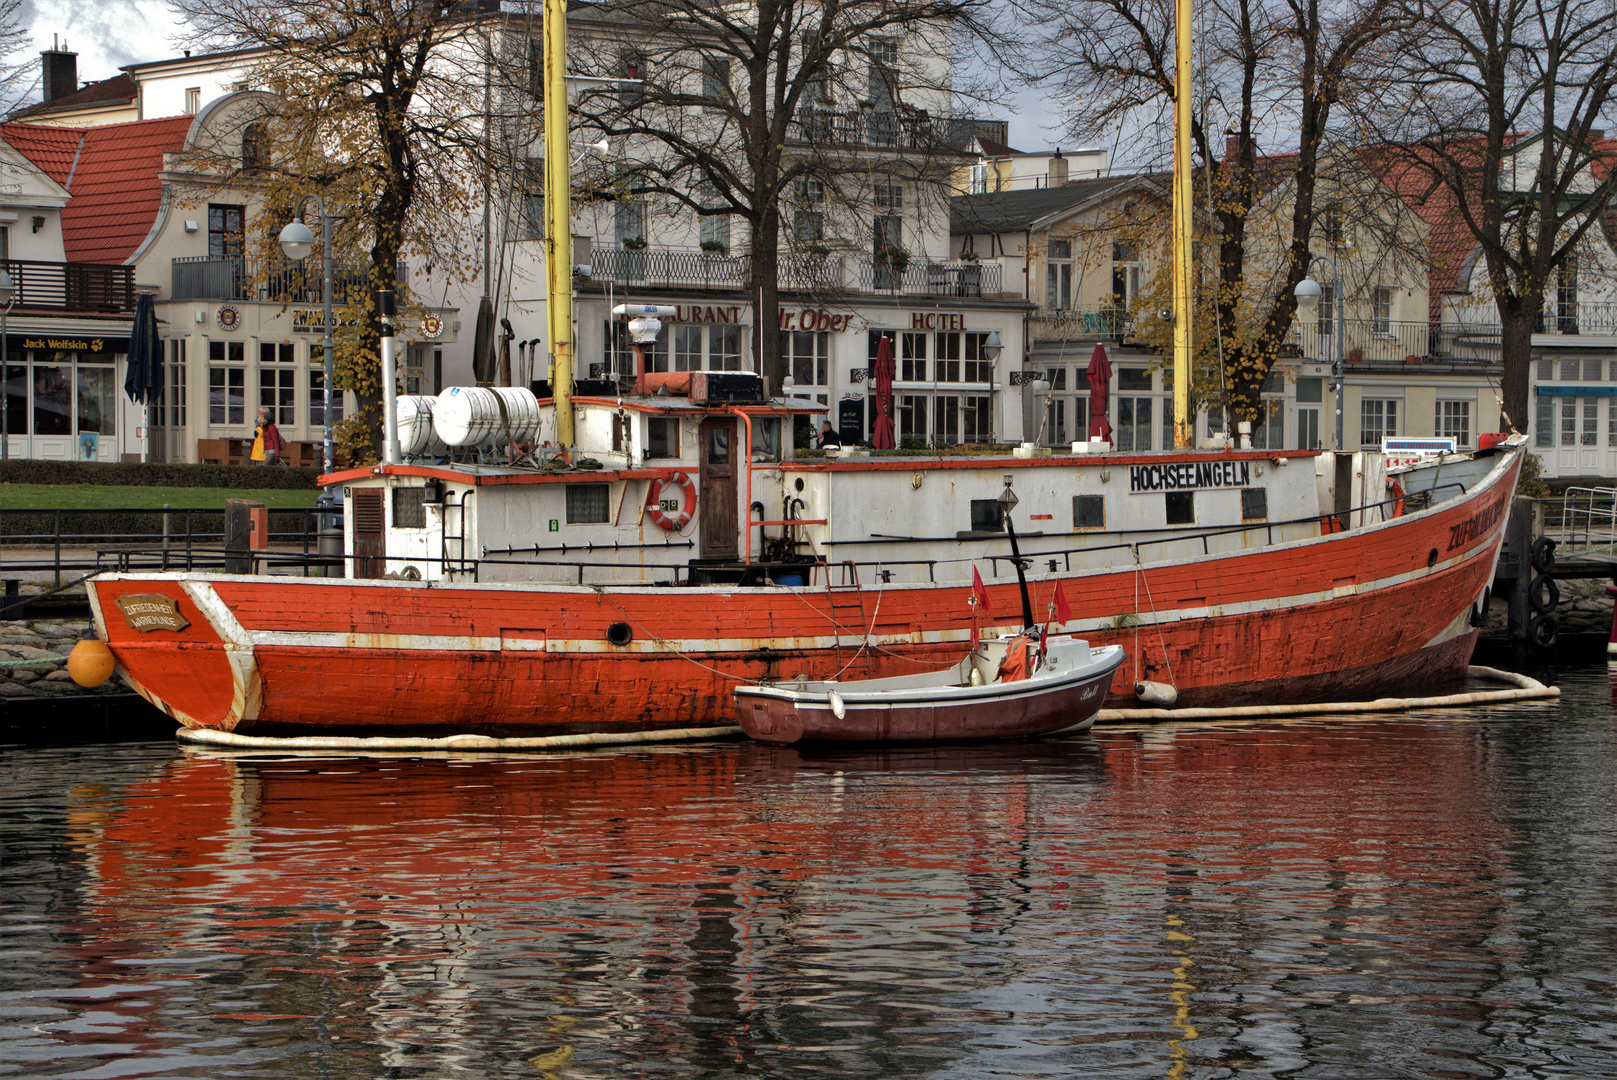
(779, 111)
(1263, 66)
(367, 109)
(19, 75)
(1491, 112)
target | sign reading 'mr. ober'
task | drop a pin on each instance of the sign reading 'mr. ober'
(1189, 476)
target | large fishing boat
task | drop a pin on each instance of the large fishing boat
(514, 600)
(681, 545)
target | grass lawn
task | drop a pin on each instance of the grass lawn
(106, 497)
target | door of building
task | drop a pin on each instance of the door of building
(720, 466)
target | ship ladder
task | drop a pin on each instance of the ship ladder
(845, 604)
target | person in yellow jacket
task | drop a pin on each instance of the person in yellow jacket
(266, 439)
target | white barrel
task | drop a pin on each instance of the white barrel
(478, 415)
(416, 435)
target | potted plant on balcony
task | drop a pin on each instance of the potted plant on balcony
(713, 247)
(894, 257)
(634, 257)
(968, 256)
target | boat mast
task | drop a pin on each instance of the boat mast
(1182, 248)
(558, 219)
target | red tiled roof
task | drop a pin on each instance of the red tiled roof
(114, 185)
(51, 148)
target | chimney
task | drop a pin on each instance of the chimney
(1232, 144)
(61, 73)
(1058, 169)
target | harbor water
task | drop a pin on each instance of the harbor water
(1416, 895)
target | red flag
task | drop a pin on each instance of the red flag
(1059, 602)
(979, 590)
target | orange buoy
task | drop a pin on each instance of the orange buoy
(90, 663)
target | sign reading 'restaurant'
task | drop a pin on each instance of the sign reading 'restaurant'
(1189, 476)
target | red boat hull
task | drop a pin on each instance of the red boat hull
(1342, 616)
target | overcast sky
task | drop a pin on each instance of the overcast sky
(107, 34)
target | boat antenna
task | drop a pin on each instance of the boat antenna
(1007, 503)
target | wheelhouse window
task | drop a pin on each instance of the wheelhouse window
(662, 437)
(588, 504)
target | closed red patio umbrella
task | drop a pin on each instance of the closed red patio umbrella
(1099, 374)
(882, 434)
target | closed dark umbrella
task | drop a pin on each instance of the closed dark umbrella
(143, 377)
(483, 343)
(882, 435)
(1099, 373)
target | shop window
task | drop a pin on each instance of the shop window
(1378, 419)
(227, 382)
(1454, 421)
(174, 386)
(806, 355)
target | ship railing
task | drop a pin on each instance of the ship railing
(1202, 542)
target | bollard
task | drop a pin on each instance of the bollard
(238, 535)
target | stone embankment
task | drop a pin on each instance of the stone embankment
(33, 659)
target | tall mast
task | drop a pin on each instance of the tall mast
(1183, 311)
(559, 219)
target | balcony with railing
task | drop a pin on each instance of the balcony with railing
(207, 277)
(66, 286)
(1106, 322)
(795, 271)
(898, 129)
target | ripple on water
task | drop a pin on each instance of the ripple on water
(1416, 895)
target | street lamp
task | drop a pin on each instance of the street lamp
(297, 241)
(8, 297)
(1308, 292)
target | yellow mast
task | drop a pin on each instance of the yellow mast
(1182, 247)
(559, 218)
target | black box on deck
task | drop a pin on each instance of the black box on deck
(726, 387)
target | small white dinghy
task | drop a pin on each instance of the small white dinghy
(1009, 688)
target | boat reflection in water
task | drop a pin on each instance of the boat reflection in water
(1231, 897)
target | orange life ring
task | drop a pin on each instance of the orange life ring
(1397, 490)
(659, 509)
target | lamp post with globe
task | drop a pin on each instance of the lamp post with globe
(1308, 293)
(297, 240)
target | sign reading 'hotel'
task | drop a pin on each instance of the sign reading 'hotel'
(1190, 476)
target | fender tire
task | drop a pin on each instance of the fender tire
(1543, 595)
(1543, 631)
(1542, 554)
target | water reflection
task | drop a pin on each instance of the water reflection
(1420, 895)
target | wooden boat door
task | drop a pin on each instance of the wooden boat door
(370, 535)
(720, 466)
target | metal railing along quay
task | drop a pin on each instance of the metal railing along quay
(180, 538)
